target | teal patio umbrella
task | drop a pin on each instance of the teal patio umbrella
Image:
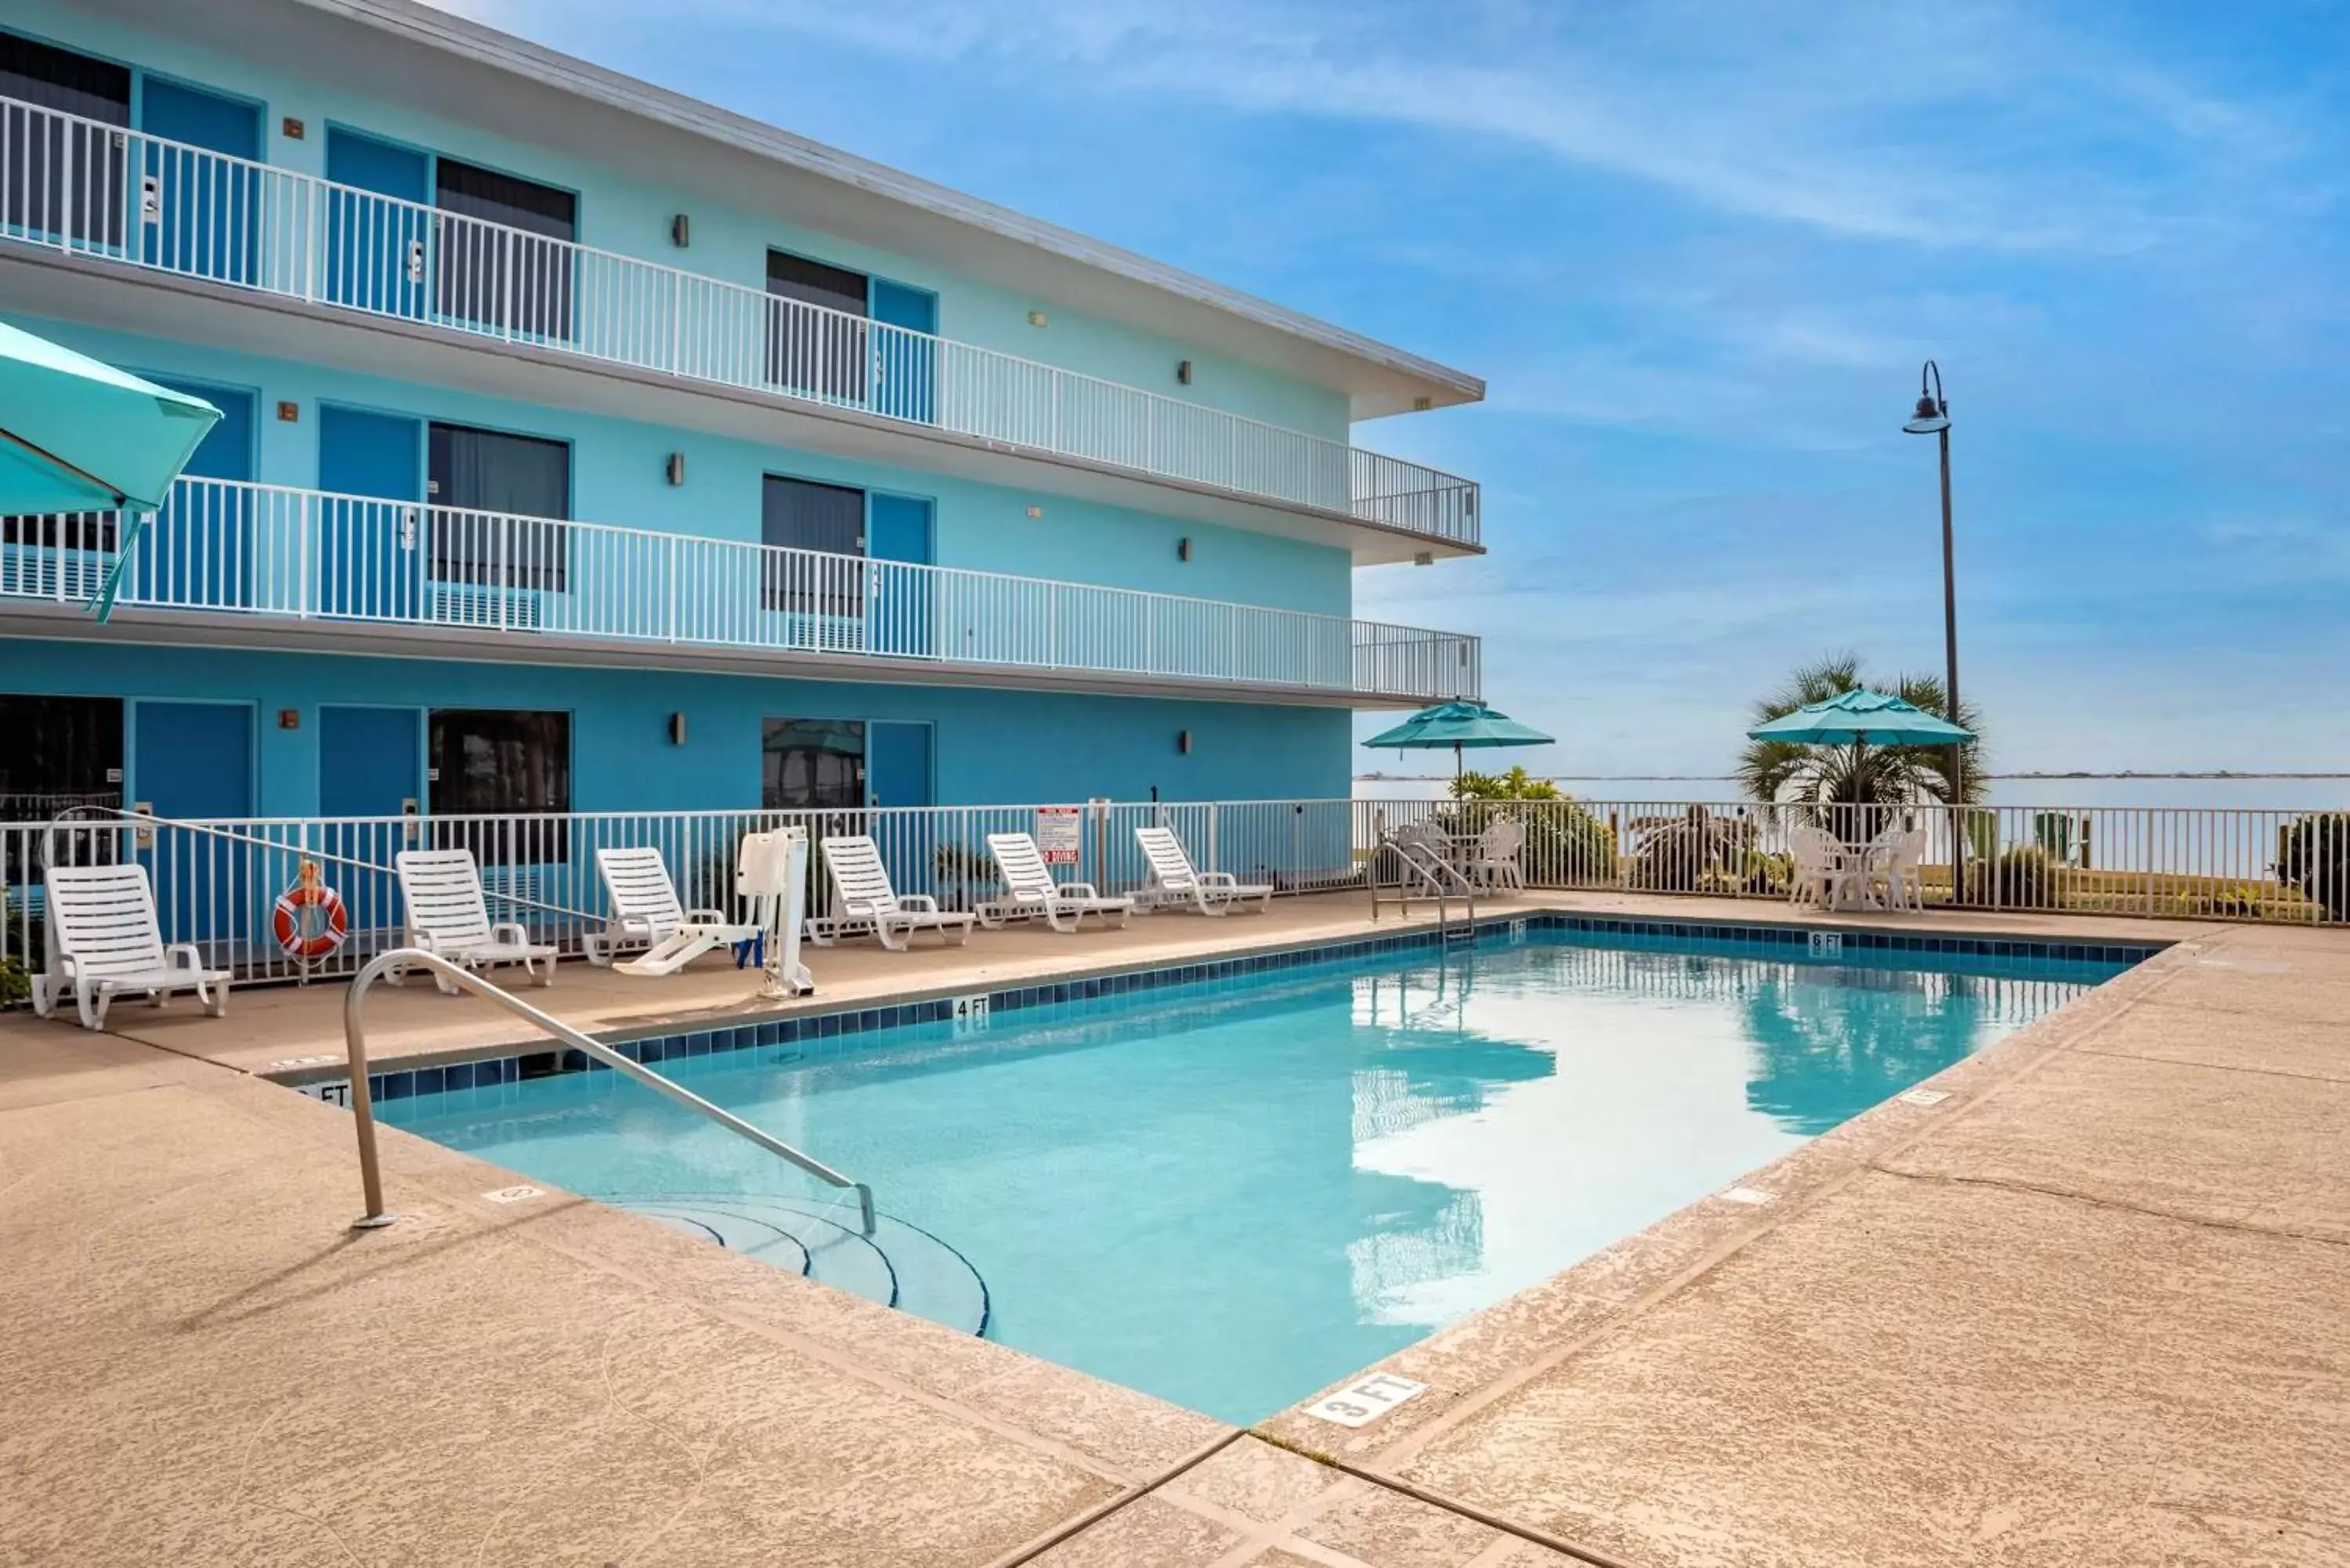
(1457, 725)
(78, 435)
(1861, 717)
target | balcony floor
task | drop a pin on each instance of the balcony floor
(106, 293)
(182, 628)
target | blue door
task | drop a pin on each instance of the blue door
(202, 554)
(901, 612)
(898, 773)
(905, 368)
(199, 215)
(371, 764)
(379, 231)
(370, 561)
(193, 762)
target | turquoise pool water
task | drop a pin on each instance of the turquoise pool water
(1231, 1193)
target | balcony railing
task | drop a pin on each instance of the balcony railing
(89, 189)
(233, 548)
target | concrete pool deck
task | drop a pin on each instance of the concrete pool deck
(2086, 1309)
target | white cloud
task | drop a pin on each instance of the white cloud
(1969, 125)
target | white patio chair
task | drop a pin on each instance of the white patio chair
(1825, 874)
(1175, 884)
(645, 911)
(1029, 889)
(448, 917)
(1900, 869)
(108, 944)
(1494, 863)
(860, 885)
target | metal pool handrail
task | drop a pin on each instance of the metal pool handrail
(363, 1104)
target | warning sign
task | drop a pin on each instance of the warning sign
(1060, 833)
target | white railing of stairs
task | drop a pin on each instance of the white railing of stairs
(1424, 871)
(363, 1102)
(84, 188)
(229, 547)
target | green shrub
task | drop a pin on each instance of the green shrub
(1695, 853)
(1565, 844)
(2023, 877)
(2313, 855)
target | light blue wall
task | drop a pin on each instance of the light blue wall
(632, 218)
(991, 747)
(619, 478)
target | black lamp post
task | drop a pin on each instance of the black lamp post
(1933, 419)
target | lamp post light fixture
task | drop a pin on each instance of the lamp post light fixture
(1933, 418)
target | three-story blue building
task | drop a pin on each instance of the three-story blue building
(590, 449)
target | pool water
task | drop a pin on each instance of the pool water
(1234, 1193)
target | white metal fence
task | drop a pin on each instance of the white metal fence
(230, 548)
(216, 882)
(94, 190)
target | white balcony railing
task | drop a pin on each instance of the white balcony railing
(94, 190)
(233, 548)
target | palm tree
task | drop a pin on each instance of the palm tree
(1776, 770)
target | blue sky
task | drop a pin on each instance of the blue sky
(1698, 251)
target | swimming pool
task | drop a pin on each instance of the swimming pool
(1233, 1191)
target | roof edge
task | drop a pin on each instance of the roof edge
(430, 26)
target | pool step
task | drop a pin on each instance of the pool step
(900, 1265)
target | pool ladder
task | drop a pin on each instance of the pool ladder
(1424, 871)
(363, 1103)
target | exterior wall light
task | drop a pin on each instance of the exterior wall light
(1183, 549)
(1182, 372)
(676, 468)
(1183, 741)
(681, 231)
(677, 729)
(1035, 512)
(1036, 318)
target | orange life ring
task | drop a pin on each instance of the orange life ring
(310, 921)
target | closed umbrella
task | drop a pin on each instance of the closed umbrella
(1861, 717)
(1458, 725)
(77, 434)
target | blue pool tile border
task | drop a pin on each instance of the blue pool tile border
(846, 1023)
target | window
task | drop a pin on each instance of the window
(800, 515)
(812, 764)
(60, 752)
(815, 351)
(57, 751)
(500, 762)
(494, 276)
(471, 472)
(41, 148)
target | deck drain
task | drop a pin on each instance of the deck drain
(1747, 1195)
(298, 1062)
(1366, 1399)
(515, 1194)
(1923, 1097)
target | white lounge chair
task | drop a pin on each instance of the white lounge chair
(103, 918)
(1175, 884)
(448, 917)
(646, 911)
(1494, 863)
(1029, 889)
(860, 884)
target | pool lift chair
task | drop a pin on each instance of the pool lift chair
(770, 885)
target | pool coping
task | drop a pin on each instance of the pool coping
(507, 1063)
